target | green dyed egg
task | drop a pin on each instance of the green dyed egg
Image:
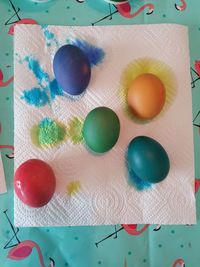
(147, 159)
(101, 129)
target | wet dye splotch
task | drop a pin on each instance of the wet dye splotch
(74, 132)
(45, 91)
(95, 54)
(49, 36)
(36, 97)
(48, 133)
(55, 89)
(135, 181)
(73, 187)
(34, 66)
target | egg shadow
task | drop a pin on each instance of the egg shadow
(96, 154)
(74, 98)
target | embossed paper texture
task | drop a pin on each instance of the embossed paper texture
(93, 189)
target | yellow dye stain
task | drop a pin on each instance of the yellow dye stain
(74, 132)
(73, 188)
(142, 66)
(34, 136)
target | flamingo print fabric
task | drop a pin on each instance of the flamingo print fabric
(93, 190)
(2, 178)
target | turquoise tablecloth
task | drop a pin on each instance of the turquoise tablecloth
(76, 246)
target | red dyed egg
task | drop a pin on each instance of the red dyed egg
(34, 183)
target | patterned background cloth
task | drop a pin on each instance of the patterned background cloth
(109, 246)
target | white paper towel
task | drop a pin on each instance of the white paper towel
(105, 196)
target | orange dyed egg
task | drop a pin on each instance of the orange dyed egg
(146, 96)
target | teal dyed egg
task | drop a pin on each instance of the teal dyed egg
(147, 159)
(101, 129)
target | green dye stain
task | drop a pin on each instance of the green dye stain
(76, 238)
(144, 260)
(172, 231)
(182, 246)
(75, 130)
(129, 253)
(48, 133)
(160, 246)
(99, 262)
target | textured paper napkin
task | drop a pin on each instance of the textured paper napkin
(103, 195)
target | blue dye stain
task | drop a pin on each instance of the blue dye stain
(48, 90)
(38, 72)
(44, 26)
(134, 180)
(55, 89)
(94, 53)
(49, 36)
(138, 183)
(46, 122)
(36, 97)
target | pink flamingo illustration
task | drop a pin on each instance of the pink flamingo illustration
(21, 21)
(179, 262)
(6, 83)
(18, 21)
(196, 72)
(197, 66)
(181, 7)
(197, 185)
(11, 155)
(125, 10)
(23, 249)
(131, 229)
(157, 228)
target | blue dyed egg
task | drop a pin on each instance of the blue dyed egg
(147, 159)
(72, 69)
